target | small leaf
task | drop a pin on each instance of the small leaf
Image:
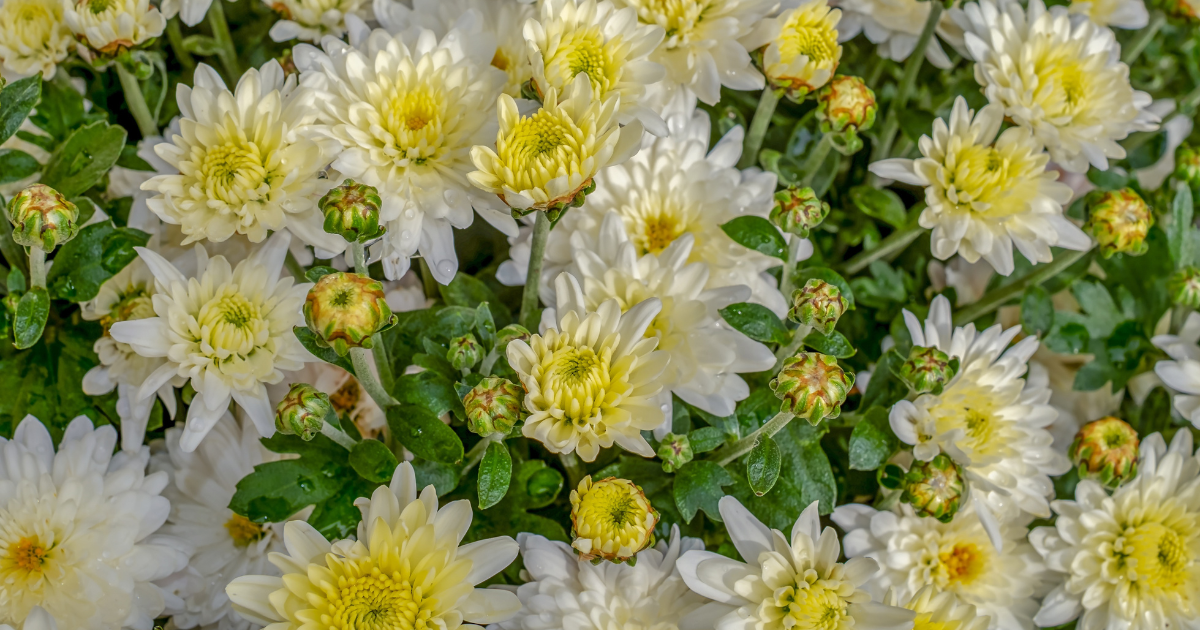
(17, 99)
(99, 252)
(1179, 232)
(758, 234)
(32, 311)
(1150, 151)
(834, 344)
(81, 161)
(485, 325)
(16, 165)
(706, 439)
(1071, 338)
(756, 322)
(495, 474)
(881, 204)
(373, 461)
(16, 281)
(423, 433)
(1037, 311)
(762, 465)
(698, 487)
(830, 276)
(872, 442)
(318, 272)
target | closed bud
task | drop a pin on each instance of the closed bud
(798, 210)
(1187, 165)
(928, 370)
(509, 334)
(611, 519)
(1119, 221)
(42, 218)
(818, 304)
(846, 104)
(345, 309)
(674, 451)
(352, 211)
(1185, 287)
(934, 488)
(493, 406)
(1106, 450)
(812, 386)
(1187, 9)
(464, 352)
(302, 412)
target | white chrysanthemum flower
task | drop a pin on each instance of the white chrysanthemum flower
(609, 45)
(917, 553)
(243, 167)
(226, 545)
(800, 50)
(987, 193)
(566, 591)
(894, 26)
(706, 353)
(33, 37)
(987, 419)
(593, 379)
(1130, 561)
(1129, 14)
(792, 585)
(228, 330)
(79, 530)
(701, 51)
(109, 27)
(310, 20)
(1061, 78)
(1182, 374)
(406, 570)
(349, 399)
(407, 110)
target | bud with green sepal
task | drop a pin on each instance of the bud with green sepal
(352, 211)
(798, 210)
(1187, 165)
(1119, 220)
(1106, 450)
(42, 218)
(509, 334)
(1184, 287)
(493, 406)
(302, 411)
(818, 304)
(464, 352)
(846, 106)
(674, 451)
(345, 309)
(928, 370)
(812, 386)
(934, 488)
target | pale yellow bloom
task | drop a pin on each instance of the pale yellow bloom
(108, 27)
(33, 36)
(611, 518)
(1130, 14)
(801, 47)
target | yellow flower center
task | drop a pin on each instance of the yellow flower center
(962, 563)
(812, 607)
(578, 378)
(679, 18)
(243, 531)
(1159, 555)
(368, 597)
(28, 554)
(99, 6)
(924, 621)
(807, 33)
(614, 516)
(966, 414)
(659, 231)
(135, 304)
(584, 51)
(231, 325)
(500, 60)
(533, 138)
(346, 398)
(414, 120)
(232, 172)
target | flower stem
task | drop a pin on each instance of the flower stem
(533, 276)
(220, 31)
(136, 101)
(366, 378)
(575, 470)
(816, 158)
(343, 440)
(475, 455)
(730, 453)
(895, 242)
(1144, 37)
(758, 126)
(783, 352)
(789, 268)
(175, 36)
(358, 252)
(996, 298)
(378, 349)
(912, 67)
(37, 267)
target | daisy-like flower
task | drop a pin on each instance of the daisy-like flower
(566, 591)
(941, 611)
(310, 20)
(1060, 78)
(1128, 14)
(80, 535)
(228, 330)
(917, 553)
(1182, 373)
(800, 50)
(607, 44)
(988, 419)
(33, 37)
(243, 168)
(1130, 561)
(548, 158)
(796, 584)
(894, 26)
(593, 378)
(108, 27)
(406, 110)
(985, 193)
(406, 570)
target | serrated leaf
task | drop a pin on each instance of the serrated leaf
(756, 322)
(318, 272)
(872, 442)
(485, 325)
(83, 159)
(17, 99)
(373, 461)
(762, 465)
(30, 320)
(99, 252)
(495, 475)
(1070, 338)
(698, 487)
(1037, 311)
(424, 434)
(758, 234)
(834, 344)
(431, 390)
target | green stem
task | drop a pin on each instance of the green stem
(575, 470)
(815, 159)
(1189, 102)
(37, 267)
(175, 36)
(789, 268)
(220, 32)
(730, 453)
(533, 276)
(378, 348)
(912, 67)
(362, 369)
(475, 455)
(294, 267)
(783, 352)
(428, 282)
(894, 243)
(136, 101)
(758, 126)
(1138, 44)
(359, 253)
(343, 440)
(996, 298)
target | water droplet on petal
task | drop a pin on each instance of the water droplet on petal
(446, 266)
(410, 213)
(665, 408)
(405, 234)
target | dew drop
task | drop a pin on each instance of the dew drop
(405, 235)
(410, 213)
(446, 266)
(665, 408)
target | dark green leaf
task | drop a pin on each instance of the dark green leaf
(277, 490)
(762, 465)
(758, 234)
(915, 123)
(99, 252)
(834, 344)
(129, 159)
(338, 517)
(872, 442)
(309, 340)
(443, 477)
(881, 204)
(81, 161)
(1111, 179)
(1069, 339)
(32, 311)
(1037, 311)
(16, 165)
(61, 109)
(1179, 232)
(318, 272)
(17, 99)
(756, 322)
(1149, 151)
(485, 325)
(15, 281)
(815, 477)
(430, 390)
(885, 388)
(705, 439)
(373, 461)
(465, 290)
(830, 276)
(698, 487)
(423, 433)
(495, 474)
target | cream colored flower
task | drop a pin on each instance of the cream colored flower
(593, 379)
(33, 37)
(800, 50)
(894, 26)
(941, 611)
(109, 27)
(609, 45)
(310, 20)
(1182, 373)
(406, 570)
(1130, 14)
(1060, 78)
(986, 194)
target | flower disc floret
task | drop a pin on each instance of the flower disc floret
(611, 519)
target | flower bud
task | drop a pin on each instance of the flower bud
(302, 412)
(1119, 221)
(812, 386)
(1184, 287)
(509, 334)
(493, 406)
(674, 451)
(1106, 450)
(611, 519)
(1186, 9)
(928, 370)
(798, 210)
(42, 217)
(1187, 165)
(934, 488)
(464, 352)
(352, 211)
(818, 304)
(846, 104)
(345, 309)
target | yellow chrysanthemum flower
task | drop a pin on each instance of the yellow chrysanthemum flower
(33, 36)
(611, 519)
(800, 50)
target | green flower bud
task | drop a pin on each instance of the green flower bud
(928, 370)
(352, 211)
(812, 386)
(674, 451)
(1185, 287)
(302, 412)
(464, 352)
(934, 488)
(798, 210)
(345, 309)
(846, 104)
(509, 334)
(493, 406)
(42, 217)
(1187, 165)
(1119, 221)
(1106, 450)
(818, 304)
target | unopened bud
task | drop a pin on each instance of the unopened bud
(818, 304)
(928, 370)
(674, 451)
(1119, 220)
(1106, 450)
(352, 211)
(464, 352)
(1187, 165)
(812, 386)
(509, 334)
(1184, 287)
(42, 218)
(846, 104)
(345, 309)
(302, 412)
(798, 210)
(934, 488)
(493, 406)
(611, 519)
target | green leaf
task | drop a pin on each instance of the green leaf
(872, 441)
(1179, 232)
(61, 109)
(815, 477)
(1101, 311)
(706, 439)
(373, 461)
(16, 165)
(17, 99)
(881, 204)
(915, 123)
(32, 311)
(1069, 339)
(423, 433)
(318, 272)
(485, 325)
(431, 390)
(758, 234)
(756, 322)
(762, 465)
(99, 252)
(465, 290)
(443, 477)
(1037, 311)
(830, 276)
(885, 389)
(81, 161)
(308, 339)
(834, 344)
(698, 487)
(277, 490)
(129, 159)
(495, 475)
(15, 281)
(1149, 151)
(338, 517)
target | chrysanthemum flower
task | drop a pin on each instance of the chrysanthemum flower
(1128, 14)
(593, 378)
(33, 37)
(940, 611)
(1182, 374)
(108, 27)
(611, 519)
(228, 330)
(987, 193)
(310, 20)
(1130, 561)
(800, 50)
(79, 530)
(406, 570)
(894, 26)
(1060, 78)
